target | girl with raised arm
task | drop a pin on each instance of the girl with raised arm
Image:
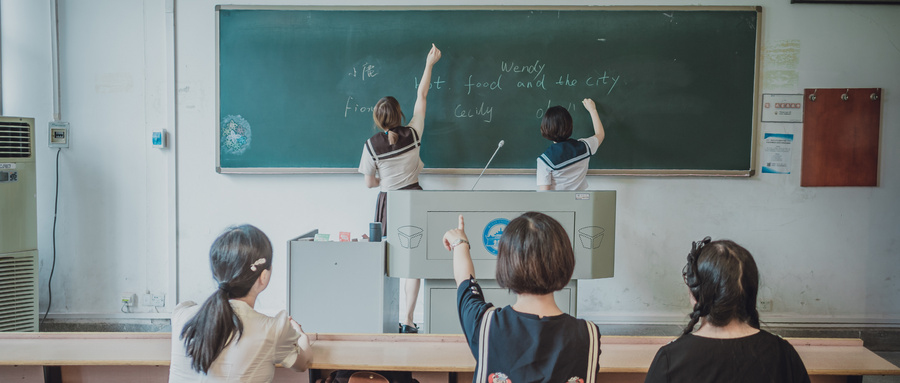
(564, 165)
(532, 340)
(390, 160)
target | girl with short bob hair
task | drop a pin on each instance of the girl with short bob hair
(564, 165)
(729, 346)
(531, 340)
(225, 339)
(534, 256)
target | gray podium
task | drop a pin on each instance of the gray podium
(341, 287)
(417, 221)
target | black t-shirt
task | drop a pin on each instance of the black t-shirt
(524, 347)
(758, 358)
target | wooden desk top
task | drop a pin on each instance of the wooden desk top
(400, 352)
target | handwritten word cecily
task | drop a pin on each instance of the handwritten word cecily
(354, 107)
(462, 112)
(492, 85)
(365, 71)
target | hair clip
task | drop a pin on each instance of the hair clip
(698, 245)
(261, 261)
(691, 265)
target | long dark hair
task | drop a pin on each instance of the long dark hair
(237, 257)
(724, 280)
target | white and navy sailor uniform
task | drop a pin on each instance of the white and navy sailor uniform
(397, 165)
(564, 164)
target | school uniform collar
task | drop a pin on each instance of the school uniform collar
(565, 153)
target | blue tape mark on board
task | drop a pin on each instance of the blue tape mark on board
(235, 135)
(492, 232)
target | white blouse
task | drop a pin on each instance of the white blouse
(265, 341)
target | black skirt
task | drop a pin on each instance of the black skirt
(381, 206)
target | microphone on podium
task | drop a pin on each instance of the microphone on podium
(499, 145)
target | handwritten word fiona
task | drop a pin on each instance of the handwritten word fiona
(486, 111)
(354, 107)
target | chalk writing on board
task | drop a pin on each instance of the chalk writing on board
(354, 107)
(481, 110)
(537, 68)
(364, 72)
(436, 84)
(489, 84)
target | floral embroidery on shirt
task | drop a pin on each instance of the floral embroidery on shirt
(499, 377)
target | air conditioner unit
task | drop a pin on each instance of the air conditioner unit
(18, 226)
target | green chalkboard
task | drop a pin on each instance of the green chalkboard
(676, 89)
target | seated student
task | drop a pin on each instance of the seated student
(225, 339)
(532, 340)
(729, 345)
(564, 164)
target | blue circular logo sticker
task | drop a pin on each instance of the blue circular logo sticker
(492, 233)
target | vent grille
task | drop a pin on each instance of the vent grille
(15, 139)
(18, 297)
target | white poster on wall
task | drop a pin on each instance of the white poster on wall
(782, 108)
(777, 153)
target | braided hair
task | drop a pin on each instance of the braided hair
(237, 258)
(723, 279)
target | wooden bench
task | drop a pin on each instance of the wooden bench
(144, 357)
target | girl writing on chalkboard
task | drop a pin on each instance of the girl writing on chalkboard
(729, 346)
(531, 340)
(390, 160)
(225, 339)
(564, 164)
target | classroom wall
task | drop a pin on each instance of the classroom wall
(826, 255)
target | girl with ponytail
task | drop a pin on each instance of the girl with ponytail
(390, 160)
(729, 346)
(225, 339)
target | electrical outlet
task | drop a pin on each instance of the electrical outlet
(129, 299)
(765, 305)
(158, 300)
(59, 134)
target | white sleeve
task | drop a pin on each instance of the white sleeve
(366, 163)
(592, 142)
(418, 124)
(543, 174)
(292, 348)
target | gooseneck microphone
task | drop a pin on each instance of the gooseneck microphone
(499, 145)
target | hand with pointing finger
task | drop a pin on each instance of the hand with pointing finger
(454, 237)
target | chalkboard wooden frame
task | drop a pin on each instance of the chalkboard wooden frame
(749, 171)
